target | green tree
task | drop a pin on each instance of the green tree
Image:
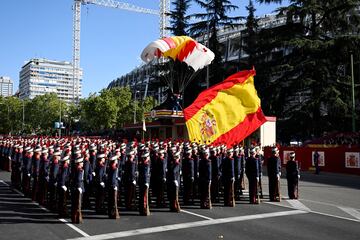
(179, 20)
(11, 115)
(215, 18)
(251, 35)
(300, 79)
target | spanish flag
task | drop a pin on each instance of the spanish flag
(227, 112)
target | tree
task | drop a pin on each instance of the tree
(179, 20)
(300, 73)
(250, 46)
(215, 18)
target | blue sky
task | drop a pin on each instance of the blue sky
(111, 39)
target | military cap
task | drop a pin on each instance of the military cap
(162, 151)
(65, 158)
(37, 150)
(275, 150)
(177, 155)
(57, 153)
(123, 146)
(101, 155)
(230, 150)
(114, 158)
(79, 160)
(77, 152)
(16, 146)
(188, 150)
(131, 152)
(292, 154)
(145, 154)
(252, 151)
(45, 150)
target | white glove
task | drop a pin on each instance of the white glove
(238, 176)
(47, 178)
(28, 174)
(80, 190)
(164, 179)
(176, 183)
(192, 179)
(278, 177)
(298, 176)
(136, 173)
(134, 182)
(147, 185)
(257, 179)
(102, 184)
(232, 179)
(279, 174)
(55, 184)
(115, 188)
(118, 178)
(180, 172)
(197, 174)
(64, 187)
(94, 174)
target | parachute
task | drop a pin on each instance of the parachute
(181, 48)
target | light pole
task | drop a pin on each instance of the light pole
(352, 93)
(135, 106)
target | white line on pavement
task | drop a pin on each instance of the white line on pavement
(351, 211)
(325, 203)
(81, 232)
(298, 205)
(195, 214)
(188, 225)
(75, 228)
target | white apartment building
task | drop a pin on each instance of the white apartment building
(6, 87)
(41, 76)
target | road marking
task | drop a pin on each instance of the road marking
(195, 214)
(325, 203)
(81, 232)
(178, 226)
(298, 205)
(351, 211)
(75, 228)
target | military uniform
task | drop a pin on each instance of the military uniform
(188, 177)
(77, 190)
(274, 173)
(144, 183)
(35, 173)
(130, 180)
(44, 177)
(228, 177)
(292, 176)
(205, 180)
(173, 182)
(215, 175)
(252, 173)
(26, 171)
(88, 178)
(100, 179)
(62, 186)
(53, 172)
(159, 175)
(112, 187)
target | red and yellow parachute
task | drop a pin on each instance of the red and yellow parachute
(182, 48)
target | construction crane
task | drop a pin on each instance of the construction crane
(163, 13)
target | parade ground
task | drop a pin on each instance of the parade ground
(328, 208)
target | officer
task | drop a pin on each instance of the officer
(100, 179)
(13, 164)
(188, 176)
(26, 171)
(237, 172)
(292, 176)
(260, 158)
(77, 190)
(316, 162)
(159, 172)
(18, 166)
(242, 172)
(252, 173)
(44, 176)
(173, 182)
(53, 172)
(205, 180)
(121, 167)
(88, 177)
(63, 184)
(130, 179)
(144, 183)
(228, 177)
(215, 174)
(112, 187)
(274, 174)
(195, 156)
(35, 172)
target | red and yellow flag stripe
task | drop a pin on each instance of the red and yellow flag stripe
(225, 113)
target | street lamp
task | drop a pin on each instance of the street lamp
(135, 105)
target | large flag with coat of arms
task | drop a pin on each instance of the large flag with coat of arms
(227, 112)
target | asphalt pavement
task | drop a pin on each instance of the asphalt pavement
(328, 208)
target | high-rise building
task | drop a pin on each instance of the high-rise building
(6, 86)
(41, 76)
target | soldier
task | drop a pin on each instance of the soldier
(173, 182)
(18, 166)
(88, 177)
(44, 176)
(242, 171)
(54, 169)
(77, 190)
(237, 172)
(292, 176)
(130, 179)
(159, 172)
(195, 156)
(62, 184)
(35, 173)
(205, 180)
(274, 173)
(112, 186)
(121, 166)
(252, 173)
(260, 157)
(13, 164)
(228, 178)
(144, 183)
(188, 176)
(100, 176)
(316, 162)
(26, 171)
(215, 174)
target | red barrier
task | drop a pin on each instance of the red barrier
(336, 159)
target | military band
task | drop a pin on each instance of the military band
(96, 174)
